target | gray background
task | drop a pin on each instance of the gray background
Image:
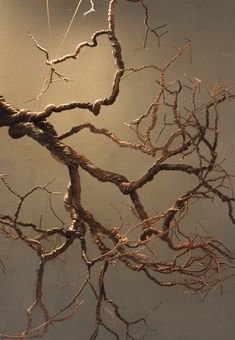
(210, 25)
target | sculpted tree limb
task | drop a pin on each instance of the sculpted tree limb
(182, 140)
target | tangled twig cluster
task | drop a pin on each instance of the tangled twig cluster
(179, 138)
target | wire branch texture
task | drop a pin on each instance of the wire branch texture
(198, 262)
